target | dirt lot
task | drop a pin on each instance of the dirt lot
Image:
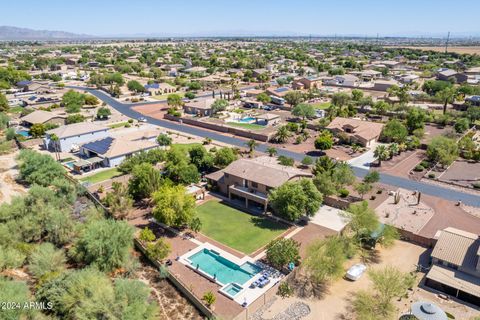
(8, 171)
(462, 173)
(432, 130)
(403, 164)
(461, 50)
(403, 255)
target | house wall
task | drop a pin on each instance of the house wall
(65, 144)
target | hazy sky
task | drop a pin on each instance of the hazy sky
(191, 17)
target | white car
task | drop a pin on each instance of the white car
(355, 271)
(142, 119)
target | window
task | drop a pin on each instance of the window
(254, 185)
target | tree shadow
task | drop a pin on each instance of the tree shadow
(315, 153)
(267, 223)
(305, 287)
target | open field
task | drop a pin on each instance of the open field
(102, 176)
(321, 105)
(237, 229)
(461, 50)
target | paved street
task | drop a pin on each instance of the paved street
(434, 190)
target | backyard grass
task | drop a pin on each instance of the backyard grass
(237, 229)
(16, 109)
(118, 125)
(184, 147)
(102, 176)
(165, 96)
(248, 126)
(321, 105)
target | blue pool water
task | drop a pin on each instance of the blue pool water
(247, 119)
(226, 271)
(69, 164)
(232, 289)
(24, 133)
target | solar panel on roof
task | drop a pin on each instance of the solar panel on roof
(99, 146)
(282, 89)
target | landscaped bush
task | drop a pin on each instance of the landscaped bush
(419, 168)
(343, 193)
(431, 175)
(476, 185)
(425, 163)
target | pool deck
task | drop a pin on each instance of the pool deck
(248, 294)
(225, 308)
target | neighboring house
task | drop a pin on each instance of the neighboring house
(279, 92)
(43, 117)
(159, 88)
(73, 135)
(110, 152)
(447, 74)
(455, 266)
(32, 86)
(307, 83)
(384, 85)
(268, 119)
(342, 80)
(250, 180)
(200, 107)
(362, 132)
(474, 100)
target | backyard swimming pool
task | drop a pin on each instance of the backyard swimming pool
(247, 120)
(24, 133)
(224, 270)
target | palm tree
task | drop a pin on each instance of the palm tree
(282, 134)
(447, 95)
(381, 153)
(393, 149)
(251, 144)
(271, 151)
(54, 139)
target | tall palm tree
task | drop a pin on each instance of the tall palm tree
(393, 149)
(272, 151)
(54, 139)
(381, 153)
(251, 144)
(447, 95)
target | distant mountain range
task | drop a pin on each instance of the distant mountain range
(15, 33)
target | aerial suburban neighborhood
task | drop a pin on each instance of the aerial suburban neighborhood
(177, 174)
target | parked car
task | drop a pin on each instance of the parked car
(355, 271)
(269, 108)
(142, 119)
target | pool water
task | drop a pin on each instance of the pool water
(232, 289)
(225, 270)
(246, 120)
(69, 164)
(24, 133)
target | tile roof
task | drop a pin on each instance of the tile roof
(114, 147)
(263, 170)
(364, 129)
(76, 129)
(40, 116)
(457, 247)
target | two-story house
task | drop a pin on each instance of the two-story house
(455, 266)
(250, 180)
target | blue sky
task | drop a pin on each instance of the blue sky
(193, 17)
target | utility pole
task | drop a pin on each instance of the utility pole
(446, 43)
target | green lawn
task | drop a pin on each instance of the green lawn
(321, 105)
(185, 147)
(248, 126)
(165, 96)
(102, 176)
(118, 125)
(16, 109)
(237, 229)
